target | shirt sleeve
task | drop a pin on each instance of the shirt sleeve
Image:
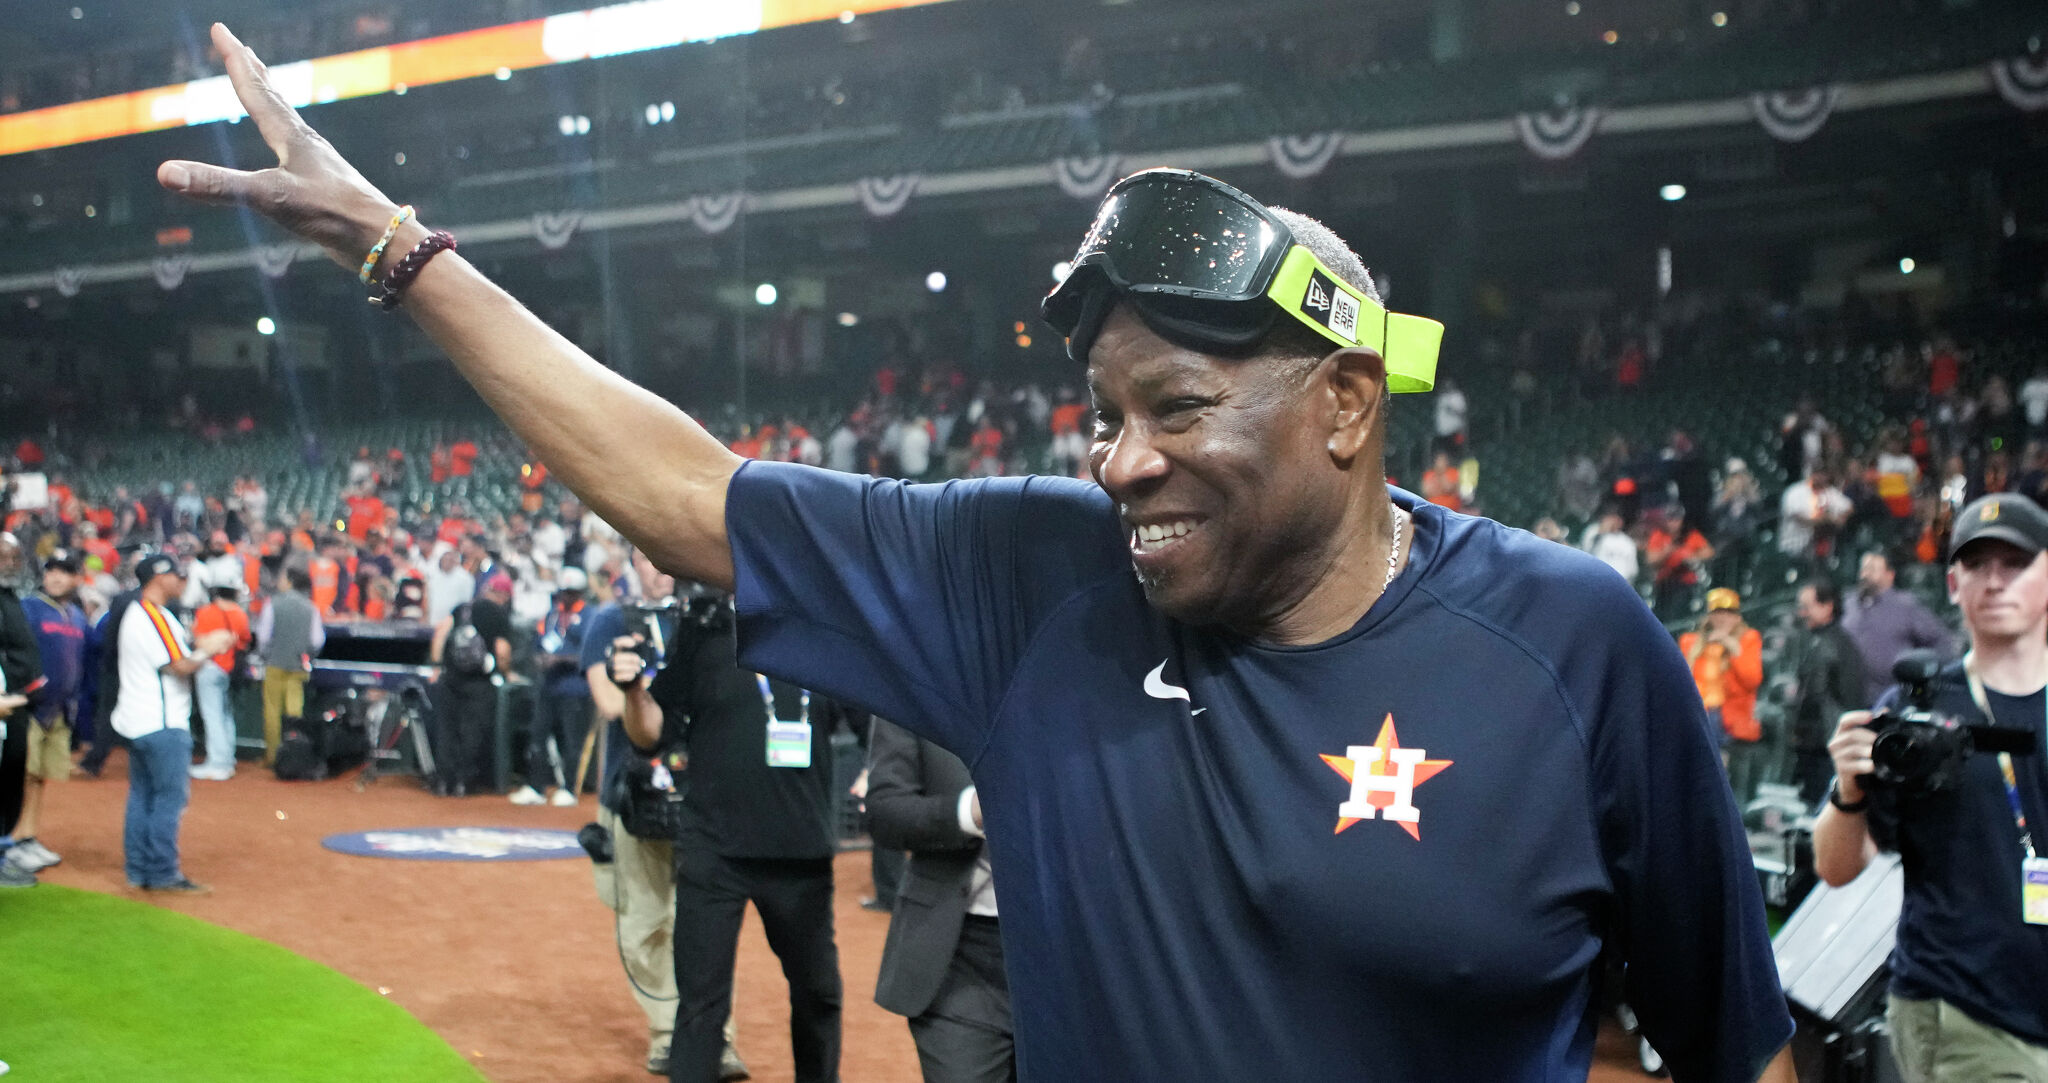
(1690, 917)
(266, 623)
(913, 602)
(608, 624)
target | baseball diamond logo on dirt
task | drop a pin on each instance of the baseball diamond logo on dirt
(458, 844)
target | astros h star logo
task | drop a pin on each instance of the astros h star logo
(1386, 786)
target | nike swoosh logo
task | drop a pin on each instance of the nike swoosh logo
(1157, 688)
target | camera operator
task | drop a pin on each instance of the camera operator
(755, 824)
(1968, 997)
(639, 882)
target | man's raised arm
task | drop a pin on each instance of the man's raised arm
(641, 463)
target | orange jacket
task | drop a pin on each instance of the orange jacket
(1729, 684)
(326, 576)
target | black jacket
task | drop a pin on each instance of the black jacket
(1830, 678)
(19, 658)
(913, 800)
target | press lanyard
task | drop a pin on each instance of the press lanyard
(789, 743)
(768, 699)
(2012, 786)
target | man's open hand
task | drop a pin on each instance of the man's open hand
(312, 190)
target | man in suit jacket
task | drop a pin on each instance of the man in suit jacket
(943, 963)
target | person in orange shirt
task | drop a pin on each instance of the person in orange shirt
(325, 571)
(1069, 445)
(1727, 658)
(437, 464)
(212, 681)
(1677, 552)
(1440, 483)
(365, 513)
(90, 541)
(462, 457)
(532, 477)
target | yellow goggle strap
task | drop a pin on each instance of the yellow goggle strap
(1407, 344)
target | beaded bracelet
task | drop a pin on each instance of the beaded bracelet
(392, 289)
(377, 251)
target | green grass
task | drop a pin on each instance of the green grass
(97, 988)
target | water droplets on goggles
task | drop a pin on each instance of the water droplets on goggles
(1197, 257)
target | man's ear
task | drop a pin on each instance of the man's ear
(1355, 379)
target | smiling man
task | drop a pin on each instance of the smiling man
(1338, 786)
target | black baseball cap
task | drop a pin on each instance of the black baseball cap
(2006, 517)
(61, 560)
(157, 564)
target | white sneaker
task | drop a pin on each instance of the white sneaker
(562, 799)
(205, 773)
(43, 855)
(21, 862)
(527, 795)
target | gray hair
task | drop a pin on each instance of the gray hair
(1331, 249)
(1289, 339)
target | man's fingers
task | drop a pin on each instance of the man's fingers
(275, 118)
(208, 183)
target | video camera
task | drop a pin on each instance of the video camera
(1920, 752)
(657, 623)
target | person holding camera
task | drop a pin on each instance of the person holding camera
(753, 776)
(1968, 997)
(638, 884)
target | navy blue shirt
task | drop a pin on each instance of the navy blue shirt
(60, 629)
(600, 628)
(1192, 885)
(1961, 938)
(562, 633)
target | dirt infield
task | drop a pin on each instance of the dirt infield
(514, 964)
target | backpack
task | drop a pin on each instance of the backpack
(298, 752)
(110, 663)
(465, 653)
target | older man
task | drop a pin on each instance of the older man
(1886, 622)
(1339, 784)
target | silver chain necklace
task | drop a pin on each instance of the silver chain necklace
(1394, 549)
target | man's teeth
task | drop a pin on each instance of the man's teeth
(1152, 534)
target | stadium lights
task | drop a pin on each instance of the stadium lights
(78, 13)
(266, 326)
(1572, 8)
(91, 211)
(668, 111)
(660, 113)
(764, 294)
(848, 319)
(502, 74)
(846, 16)
(1610, 37)
(398, 159)
(1906, 265)
(935, 282)
(1672, 193)
(1061, 270)
(653, 115)
(1720, 18)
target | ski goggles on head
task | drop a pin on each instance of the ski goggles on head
(1210, 268)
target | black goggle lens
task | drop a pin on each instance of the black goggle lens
(1166, 235)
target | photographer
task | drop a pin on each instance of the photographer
(755, 825)
(1968, 1000)
(639, 882)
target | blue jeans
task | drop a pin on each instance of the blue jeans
(211, 684)
(158, 789)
